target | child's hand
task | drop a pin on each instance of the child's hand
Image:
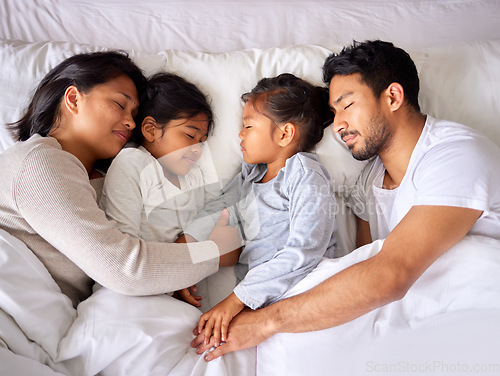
(217, 320)
(188, 296)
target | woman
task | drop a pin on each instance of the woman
(81, 113)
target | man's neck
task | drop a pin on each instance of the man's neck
(397, 156)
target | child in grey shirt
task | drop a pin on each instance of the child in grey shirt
(281, 200)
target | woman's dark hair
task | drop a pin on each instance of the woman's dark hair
(170, 97)
(380, 64)
(85, 71)
(289, 99)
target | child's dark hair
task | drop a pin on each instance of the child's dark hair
(170, 97)
(380, 64)
(289, 99)
(85, 71)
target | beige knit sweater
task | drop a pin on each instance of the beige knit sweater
(48, 202)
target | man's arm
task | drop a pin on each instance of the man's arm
(363, 235)
(423, 235)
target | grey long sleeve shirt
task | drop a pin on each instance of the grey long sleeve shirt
(288, 225)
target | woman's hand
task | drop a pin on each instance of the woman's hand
(227, 239)
(216, 321)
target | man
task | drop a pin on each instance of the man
(431, 183)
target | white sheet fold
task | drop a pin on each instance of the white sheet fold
(450, 315)
(108, 334)
(449, 318)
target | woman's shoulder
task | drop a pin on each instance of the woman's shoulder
(42, 151)
(40, 163)
(36, 144)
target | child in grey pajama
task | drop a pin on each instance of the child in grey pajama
(281, 201)
(287, 224)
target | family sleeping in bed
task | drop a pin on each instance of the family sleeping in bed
(428, 184)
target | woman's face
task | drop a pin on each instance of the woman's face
(104, 118)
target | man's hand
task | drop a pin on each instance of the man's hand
(247, 329)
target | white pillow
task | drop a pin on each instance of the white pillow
(31, 297)
(462, 83)
(24, 64)
(225, 77)
(222, 77)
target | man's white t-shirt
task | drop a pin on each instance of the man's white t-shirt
(451, 165)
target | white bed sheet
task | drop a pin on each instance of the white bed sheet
(108, 334)
(448, 323)
(228, 25)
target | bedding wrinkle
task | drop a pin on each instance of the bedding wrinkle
(454, 301)
(222, 26)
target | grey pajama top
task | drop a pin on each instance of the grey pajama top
(288, 225)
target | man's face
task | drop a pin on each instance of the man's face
(358, 117)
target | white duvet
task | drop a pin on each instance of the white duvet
(448, 321)
(108, 334)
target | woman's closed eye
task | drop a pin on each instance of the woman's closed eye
(349, 105)
(118, 103)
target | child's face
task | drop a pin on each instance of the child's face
(259, 136)
(179, 147)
